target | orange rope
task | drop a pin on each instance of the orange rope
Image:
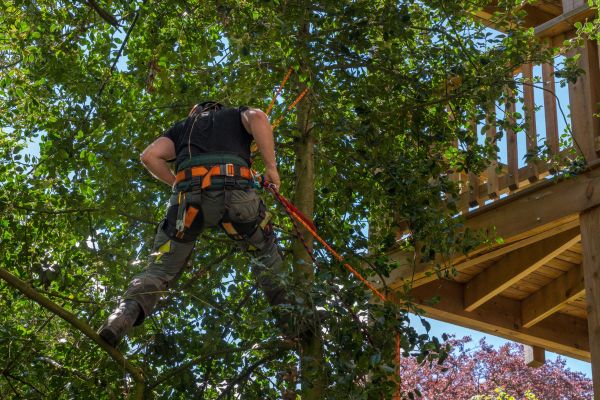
(290, 107)
(285, 78)
(339, 257)
(398, 394)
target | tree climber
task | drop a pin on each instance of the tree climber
(213, 187)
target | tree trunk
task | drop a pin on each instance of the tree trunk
(313, 380)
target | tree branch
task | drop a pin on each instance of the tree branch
(16, 378)
(275, 345)
(105, 15)
(84, 328)
(245, 374)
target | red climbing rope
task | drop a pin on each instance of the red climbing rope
(297, 215)
(310, 227)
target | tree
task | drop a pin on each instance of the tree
(485, 372)
(91, 83)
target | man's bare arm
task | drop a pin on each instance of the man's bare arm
(257, 123)
(156, 157)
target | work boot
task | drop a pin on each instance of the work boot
(120, 322)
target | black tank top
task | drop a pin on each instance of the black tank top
(214, 131)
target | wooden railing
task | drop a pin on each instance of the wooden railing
(502, 179)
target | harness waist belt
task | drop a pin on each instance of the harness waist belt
(221, 170)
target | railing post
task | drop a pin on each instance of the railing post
(584, 96)
(590, 225)
(511, 141)
(530, 128)
(550, 109)
(569, 5)
(473, 185)
(492, 175)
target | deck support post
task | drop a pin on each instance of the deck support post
(584, 96)
(590, 236)
(535, 357)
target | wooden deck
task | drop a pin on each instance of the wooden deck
(541, 285)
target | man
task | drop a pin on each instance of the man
(212, 187)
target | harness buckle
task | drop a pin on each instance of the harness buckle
(229, 182)
(229, 170)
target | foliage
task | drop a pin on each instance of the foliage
(92, 83)
(486, 373)
(502, 395)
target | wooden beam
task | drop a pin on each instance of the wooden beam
(535, 356)
(558, 333)
(538, 206)
(530, 128)
(551, 7)
(516, 266)
(590, 227)
(553, 297)
(550, 108)
(564, 22)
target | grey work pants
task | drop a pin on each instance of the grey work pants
(240, 207)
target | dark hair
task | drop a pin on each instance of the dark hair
(209, 105)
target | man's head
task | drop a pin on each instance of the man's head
(208, 105)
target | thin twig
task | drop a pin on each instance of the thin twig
(245, 374)
(275, 345)
(105, 15)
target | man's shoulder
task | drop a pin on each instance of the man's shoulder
(175, 130)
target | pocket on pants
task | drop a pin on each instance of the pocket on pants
(243, 206)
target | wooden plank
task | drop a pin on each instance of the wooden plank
(563, 23)
(502, 317)
(569, 5)
(473, 185)
(530, 127)
(590, 226)
(552, 297)
(562, 265)
(584, 96)
(492, 175)
(551, 7)
(550, 109)
(535, 356)
(515, 266)
(512, 153)
(516, 245)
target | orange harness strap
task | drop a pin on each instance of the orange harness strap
(215, 170)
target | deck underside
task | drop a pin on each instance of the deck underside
(531, 287)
